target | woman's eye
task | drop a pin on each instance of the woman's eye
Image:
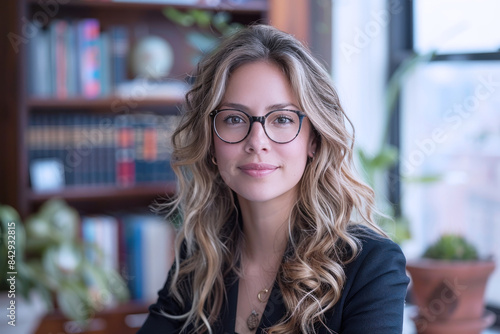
(283, 120)
(233, 120)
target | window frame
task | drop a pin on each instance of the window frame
(401, 46)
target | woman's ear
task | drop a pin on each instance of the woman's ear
(313, 143)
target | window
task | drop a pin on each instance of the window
(450, 127)
(456, 26)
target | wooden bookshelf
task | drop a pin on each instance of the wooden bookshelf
(18, 107)
(124, 319)
(90, 193)
(251, 6)
(102, 104)
(22, 107)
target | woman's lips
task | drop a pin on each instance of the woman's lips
(258, 170)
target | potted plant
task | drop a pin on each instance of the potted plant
(448, 285)
(48, 257)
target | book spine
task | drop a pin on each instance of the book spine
(119, 52)
(112, 243)
(139, 148)
(59, 149)
(70, 155)
(134, 249)
(77, 158)
(150, 147)
(71, 60)
(93, 141)
(125, 159)
(88, 45)
(156, 256)
(89, 238)
(85, 149)
(39, 55)
(110, 147)
(58, 31)
(105, 63)
(34, 141)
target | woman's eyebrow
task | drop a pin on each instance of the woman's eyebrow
(235, 106)
(275, 106)
(282, 106)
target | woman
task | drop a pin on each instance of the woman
(268, 196)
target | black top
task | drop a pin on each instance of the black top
(372, 300)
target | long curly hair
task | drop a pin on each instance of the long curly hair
(331, 197)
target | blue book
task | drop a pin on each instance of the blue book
(72, 61)
(149, 253)
(40, 70)
(93, 139)
(69, 149)
(75, 154)
(105, 63)
(119, 51)
(89, 237)
(134, 247)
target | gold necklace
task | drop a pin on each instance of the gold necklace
(253, 319)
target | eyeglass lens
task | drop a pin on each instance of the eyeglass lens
(233, 126)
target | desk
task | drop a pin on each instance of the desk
(409, 327)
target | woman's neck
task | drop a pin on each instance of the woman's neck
(265, 226)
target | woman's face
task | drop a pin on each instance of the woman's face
(258, 169)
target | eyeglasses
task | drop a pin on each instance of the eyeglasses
(281, 126)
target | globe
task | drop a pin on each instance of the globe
(152, 58)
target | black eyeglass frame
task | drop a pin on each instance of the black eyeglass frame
(261, 120)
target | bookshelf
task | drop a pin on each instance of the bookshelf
(20, 107)
(139, 19)
(97, 104)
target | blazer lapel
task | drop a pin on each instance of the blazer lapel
(228, 314)
(274, 311)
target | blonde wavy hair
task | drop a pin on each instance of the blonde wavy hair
(321, 241)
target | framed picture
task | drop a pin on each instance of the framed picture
(46, 175)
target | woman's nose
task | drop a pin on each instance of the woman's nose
(257, 139)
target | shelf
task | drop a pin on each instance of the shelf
(113, 104)
(252, 6)
(95, 193)
(124, 319)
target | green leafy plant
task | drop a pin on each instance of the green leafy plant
(453, 248)
(210, 26)
(376, 166)
(50, 259)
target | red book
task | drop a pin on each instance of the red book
(125, 159)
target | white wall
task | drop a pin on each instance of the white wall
(360, 64)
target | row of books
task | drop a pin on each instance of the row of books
(74, 58)
(103, 149)
(139, 246)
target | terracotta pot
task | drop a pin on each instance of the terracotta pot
(474, 326)
(450, 292)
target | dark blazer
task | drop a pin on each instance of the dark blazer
(372, 300)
